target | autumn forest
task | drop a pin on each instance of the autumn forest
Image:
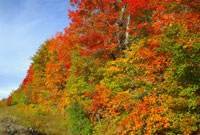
(122, 67)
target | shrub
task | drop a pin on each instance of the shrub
(78, 120)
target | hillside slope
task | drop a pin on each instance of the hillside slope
(129, 67)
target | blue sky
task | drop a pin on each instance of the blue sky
(24, 26)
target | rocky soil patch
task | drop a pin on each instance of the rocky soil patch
(10, 126)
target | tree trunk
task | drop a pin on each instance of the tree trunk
(126, 41)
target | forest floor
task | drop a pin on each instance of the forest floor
(11, 125)
(15, 120)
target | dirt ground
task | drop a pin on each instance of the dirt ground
(17, 120)
(10, 126)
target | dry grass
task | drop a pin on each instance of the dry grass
(47, 123)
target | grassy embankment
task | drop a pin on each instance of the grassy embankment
(45, 123)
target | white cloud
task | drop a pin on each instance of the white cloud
(5, 91)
